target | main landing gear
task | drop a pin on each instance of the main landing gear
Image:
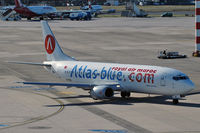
(125, 94)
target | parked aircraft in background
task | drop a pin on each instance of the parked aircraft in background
(102, 79)
(34, 11)
(94, 8)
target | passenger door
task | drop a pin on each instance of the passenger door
(163, 80)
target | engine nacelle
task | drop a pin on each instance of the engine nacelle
(101, 92)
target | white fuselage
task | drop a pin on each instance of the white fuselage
(42, 9)
(132, 78)
(35, 11)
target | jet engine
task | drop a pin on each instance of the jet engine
(101, 92)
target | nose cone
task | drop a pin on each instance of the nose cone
(189, 86)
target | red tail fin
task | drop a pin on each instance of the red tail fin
(89, 4)
(18, 3)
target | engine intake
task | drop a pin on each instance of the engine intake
(101, 92)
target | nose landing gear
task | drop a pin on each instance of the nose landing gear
(175, 99)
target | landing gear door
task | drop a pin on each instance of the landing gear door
(163, 80)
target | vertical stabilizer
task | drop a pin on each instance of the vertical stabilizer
(18, 3)
(52, 48)
(89, 4)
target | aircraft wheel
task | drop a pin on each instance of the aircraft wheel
(128, 94)
(86, 18)
(123, 94)
(175, 101)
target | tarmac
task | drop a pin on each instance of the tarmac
(27, 108)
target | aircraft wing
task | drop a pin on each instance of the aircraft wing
(71, 84)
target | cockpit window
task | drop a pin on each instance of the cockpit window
(180, 77)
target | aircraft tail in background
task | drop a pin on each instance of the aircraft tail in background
(18, 3)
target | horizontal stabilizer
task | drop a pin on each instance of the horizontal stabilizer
(29, 63)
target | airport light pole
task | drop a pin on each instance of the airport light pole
(197, 29)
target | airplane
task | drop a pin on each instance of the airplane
(34, 11)
(94, 8)
(103, 79)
